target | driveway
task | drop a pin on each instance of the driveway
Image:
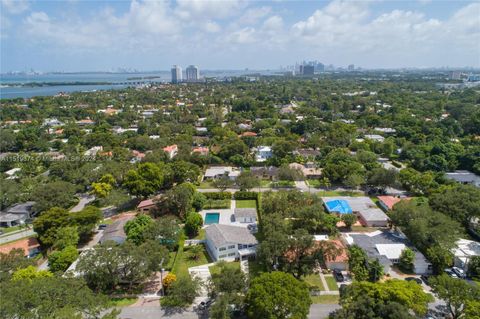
(320, 311)
(85, 199)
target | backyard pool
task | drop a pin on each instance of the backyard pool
(212, 218)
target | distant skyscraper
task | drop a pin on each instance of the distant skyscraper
(308, 70)
(455, 75)
(192, 73)
(320, 67)
(351, 67)
(176, 74)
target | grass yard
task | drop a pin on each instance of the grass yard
(265, 183)
(314, 281)
(254, 269)
(283, 184)
(215, 269)
(184, 260)
(205, 185)
(217, 204)
(326, 299)
(6, 230)
(171, 260)
(122, 302)
(331, 282)
(246, 203)
(340, 193)
(201, 234)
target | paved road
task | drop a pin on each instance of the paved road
(317, 311)
(85, 199)
(16, 235)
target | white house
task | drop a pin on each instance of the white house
(245, 215)
(464, 177)
(375, 137)
(215, 172)
(466, 249)
(171, 150)
(263, 153)
(226, 242)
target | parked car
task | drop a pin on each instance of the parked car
(102, 226)
(425, 278)
(459, 272)
(338, 275)
(205, 304)
(418, 281)
(252, 227)
(450, 272)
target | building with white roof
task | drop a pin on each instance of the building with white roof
(463, 253)
(464, 177)
(263, 153)
(215, 172)
(226, 242)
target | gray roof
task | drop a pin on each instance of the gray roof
(245, 212)
(373, 214)
(221, 235)
(23, 208)
(368, 243)
(6, 217)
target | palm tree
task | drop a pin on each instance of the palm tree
(325, 183)
(196, 252)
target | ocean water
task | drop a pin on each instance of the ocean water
(10, 85)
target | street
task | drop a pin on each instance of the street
(317, 311)
(84, 200)
(16, 235)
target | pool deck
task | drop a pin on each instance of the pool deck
(227, 216)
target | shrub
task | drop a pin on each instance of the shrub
(245, 195)
(168, 281)
(193, 223)
(218, 195)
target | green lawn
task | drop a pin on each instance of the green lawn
(332, 284)
(122, 302)
(184, 261)
(283, 184)
(340, 193)
(265, 183)
(171, 260)
(217, 204)
(205, 185)
(314, 281)
(6, 230)
(326, 299)
(215, 269)
(201, 234)
(246, 203)
(254, 269)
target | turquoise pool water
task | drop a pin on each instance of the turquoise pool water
(212, 218)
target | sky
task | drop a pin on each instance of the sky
(89, 35)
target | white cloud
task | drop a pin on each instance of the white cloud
(208, 9)
(15, 6)
(211, 27)
(253, 15)
(273, 23)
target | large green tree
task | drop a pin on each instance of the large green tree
(277, 295)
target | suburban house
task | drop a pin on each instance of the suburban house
(248, 134)
(115, 232)
(340, 261)
(307, 153)
(171, 150)
(245, 215)
(309, 170)
(146, 205)
(263, 153)
(265, 172)
(201, 150)
(93, 151)
(465, 250)
(226, 242)
(464, 177)
(30, 246)
(137, 156)
(367, 212)
(375, 137)
(387, 202)
(17, 214)
(387, 246)
(215, 172)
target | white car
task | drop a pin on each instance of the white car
(450, 272)
(459, 272)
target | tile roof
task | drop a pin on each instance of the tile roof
(26, 244)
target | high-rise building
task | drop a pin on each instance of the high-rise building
(192, 73)
(308, 70)
(176, 74)
(351, 67)
(320, 67)
(455, 75)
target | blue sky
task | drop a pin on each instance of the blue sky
(86, 35)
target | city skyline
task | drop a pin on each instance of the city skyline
(152, 35)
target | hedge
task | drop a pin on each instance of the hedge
(245, 195)
(218, 195)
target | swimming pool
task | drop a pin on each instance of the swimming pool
(212, 218)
